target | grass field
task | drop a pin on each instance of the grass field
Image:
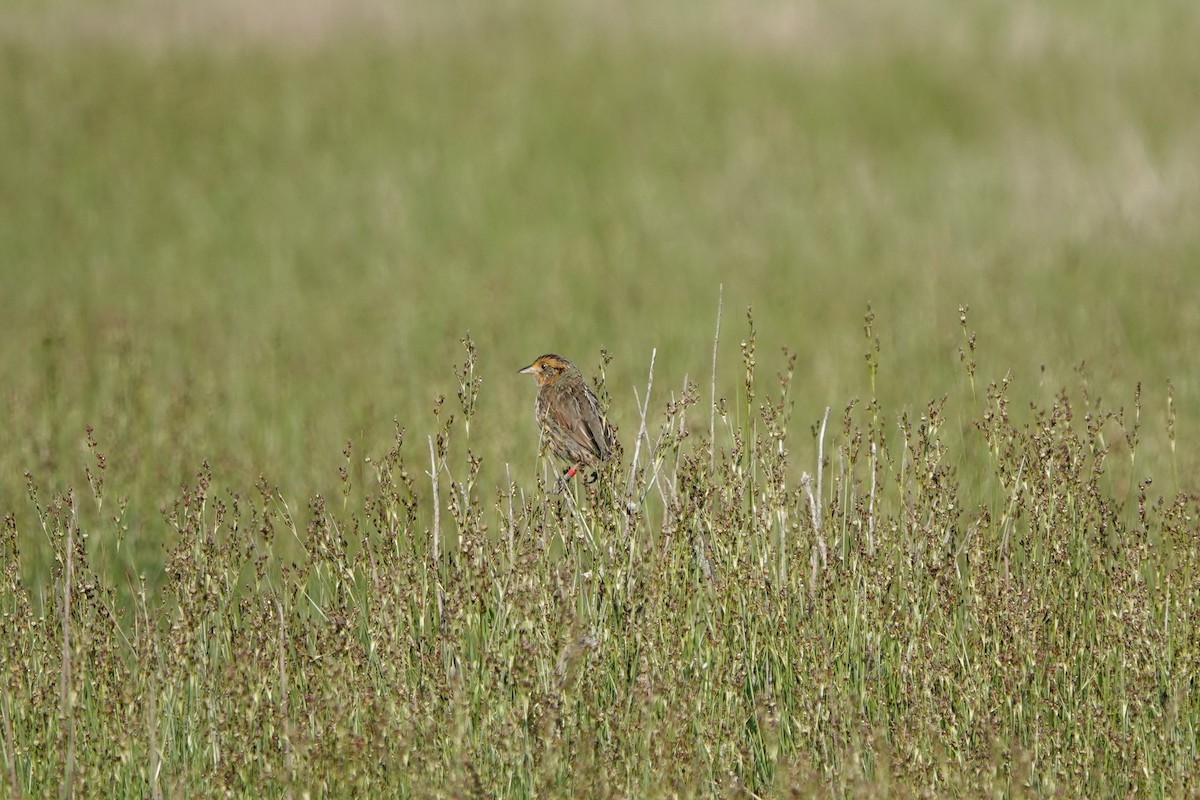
(244, 246)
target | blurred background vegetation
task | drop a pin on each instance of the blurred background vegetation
(250, 233)
(253, 232)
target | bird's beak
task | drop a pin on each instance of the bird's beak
(527, 370)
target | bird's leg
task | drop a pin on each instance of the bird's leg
(560, 485)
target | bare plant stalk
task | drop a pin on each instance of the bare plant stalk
(814, 505)
(512, 558)
(155, 765)
(151, 694)
(701, 543)
(283, 696)
(655, 481)
(781, 515)
(210, 705)
(642, 408)
(807, 482)
(10, 752)
(701, 546)
(820, 463)
(683, 390)
(437, 515)
(812, 571)
(1007, 519)
(584, 526)
(632, 544)
(67, 712)
(712, 409)
(680, 428)
(871, 506)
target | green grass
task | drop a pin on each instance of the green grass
(245, 238)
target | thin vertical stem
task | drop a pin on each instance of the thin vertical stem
(437, 511)
(65, 701)
(512, 558)
(10, 752)
(712, 409)
(643, 406)
(871, 505)
(283, 696)
(820, 465)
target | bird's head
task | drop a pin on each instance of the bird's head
(547, 368)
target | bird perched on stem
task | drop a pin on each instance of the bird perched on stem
(568, 415)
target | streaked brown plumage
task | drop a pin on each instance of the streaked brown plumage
(573, 428)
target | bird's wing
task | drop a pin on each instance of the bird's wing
(597, 427)
(582, 421)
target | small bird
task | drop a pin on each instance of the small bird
(568, 415)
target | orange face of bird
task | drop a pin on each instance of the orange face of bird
(547, 368)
